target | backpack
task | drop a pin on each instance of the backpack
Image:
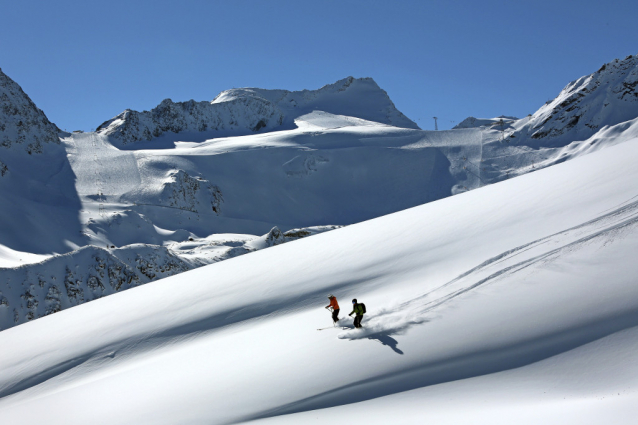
(363, 306)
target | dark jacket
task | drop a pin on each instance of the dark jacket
(358, 309)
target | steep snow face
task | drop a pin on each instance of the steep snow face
(247, 110)
(607, 97)
(353, 97)
(39, 207)
(595, 111)
(22, 124)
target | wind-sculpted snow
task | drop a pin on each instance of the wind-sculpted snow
(247, 110)
(127, 227)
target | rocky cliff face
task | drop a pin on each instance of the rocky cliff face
(247, 110)
(609, 96)
(22, 125)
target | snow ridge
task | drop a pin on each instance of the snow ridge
(21, 122)
(472, 122)
(608, 96)
(247, 110)
(248, 113)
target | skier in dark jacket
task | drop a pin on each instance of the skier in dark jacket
(359, 310)
(335, 308)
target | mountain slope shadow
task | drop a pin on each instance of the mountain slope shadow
(41, 205)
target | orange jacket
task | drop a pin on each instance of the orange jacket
(333, 303)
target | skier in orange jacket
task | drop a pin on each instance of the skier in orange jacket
(335, 307)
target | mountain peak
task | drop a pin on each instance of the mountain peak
(609, 96)
(22, 125)
(246, 110)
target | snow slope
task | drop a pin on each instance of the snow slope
(348, 171)
(340, 155)
(515, 302)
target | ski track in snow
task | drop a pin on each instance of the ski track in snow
(602, 230)
(571, 288)
(513, 264)
(604, 236)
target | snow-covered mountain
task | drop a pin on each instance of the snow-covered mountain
(246, 110)
(40, 206)
(607, 97)
(23, 127)
(513, 303)
(590, 113)
(329, 157)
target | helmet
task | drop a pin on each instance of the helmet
(354, 301)
(330, 296)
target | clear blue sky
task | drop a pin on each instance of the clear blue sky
(84, 62)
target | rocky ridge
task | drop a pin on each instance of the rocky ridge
(35, 290)
(22, 125)
(37, 185)
(247, 110)
(607, 97)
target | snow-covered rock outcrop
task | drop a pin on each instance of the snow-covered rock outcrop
(182, 191)
(177, 189)
(22, 124)
(277, 237)
(128, 227)
(247, 110)
(472, 122)
(36, 290)
(607, 97)
(32, 291)
(244, 114)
